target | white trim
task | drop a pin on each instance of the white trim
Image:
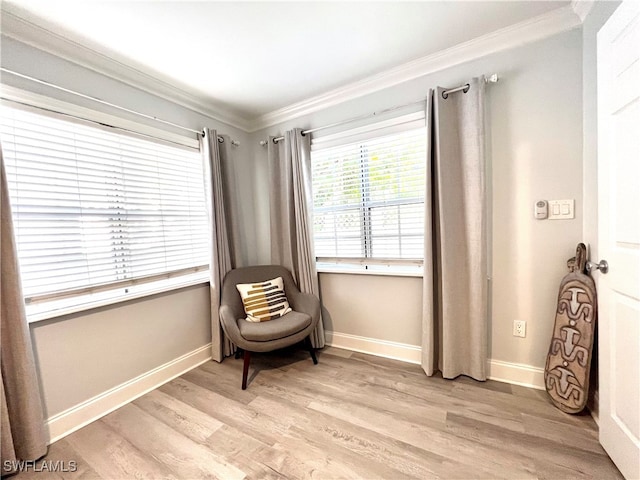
(582, 8)
(508, 372)
(397, 124)
(373, 346)
(528, 31)
(516, 374)
(24, 27)
(362, 270)
(47, 310)
(76, 417)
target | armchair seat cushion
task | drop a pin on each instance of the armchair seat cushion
(289, 324)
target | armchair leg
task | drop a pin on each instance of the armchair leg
(245, 368)
(312, 350)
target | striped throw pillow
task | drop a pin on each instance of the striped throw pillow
(264, 301)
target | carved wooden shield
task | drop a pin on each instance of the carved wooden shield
(568, 365)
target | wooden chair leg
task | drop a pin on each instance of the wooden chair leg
(245, 368)
(312, 350)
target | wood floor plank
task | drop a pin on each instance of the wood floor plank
(338, 352)
(575, 459)
(488, 385)
(328, 434)
(184, 457)
(227, 381)
(389, 402)
(604, 470)
(183, 418)
(515, 405)
(434, 440)
(112, 456)
(331, 461)
(60, 455)
(520, 391)
(561, 433)
(235, 414)
(375, 444)
(359, 362)
(314, 381)
(351, 416)
(242, 449)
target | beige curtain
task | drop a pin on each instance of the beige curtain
(22, 431)
(454, 331)
(221, 260)
(291, 214)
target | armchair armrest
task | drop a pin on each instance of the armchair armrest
(229, 323)
(306, 303)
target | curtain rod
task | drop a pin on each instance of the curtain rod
(490, 79)
(103, 102)
(98, 123)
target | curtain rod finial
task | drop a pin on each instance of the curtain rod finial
(492, 78)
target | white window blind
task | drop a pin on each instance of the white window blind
(369, 197)
(95, 209)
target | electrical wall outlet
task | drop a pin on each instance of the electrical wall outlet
(519, 328)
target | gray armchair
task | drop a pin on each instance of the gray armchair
(294, 327)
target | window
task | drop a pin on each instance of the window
(96, 209)
(368, 196)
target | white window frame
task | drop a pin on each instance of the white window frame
(98, 297)
(368, 265)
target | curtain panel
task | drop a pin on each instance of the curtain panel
(454, 330)
(22, 431)
(221, 259)
(291, 214)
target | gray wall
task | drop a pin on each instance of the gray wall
(82, 355)
(535, 120)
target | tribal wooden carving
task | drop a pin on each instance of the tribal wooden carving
(569, 359)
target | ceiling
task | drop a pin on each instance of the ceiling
(252, 58)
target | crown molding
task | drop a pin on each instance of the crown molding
(528, 31)
(17, 25)
(582, 8)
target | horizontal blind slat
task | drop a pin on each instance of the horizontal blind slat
(92, 206)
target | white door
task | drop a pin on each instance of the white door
(619, 236)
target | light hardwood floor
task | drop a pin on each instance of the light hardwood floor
(351, 416)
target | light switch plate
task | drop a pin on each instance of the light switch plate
(561, 209)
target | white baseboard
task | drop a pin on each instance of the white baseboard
(78, 416)
(373, 346)
(514, 373)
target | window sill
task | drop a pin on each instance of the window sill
(48, 310)
(392, 271)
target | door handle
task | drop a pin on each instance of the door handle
(603, 266)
